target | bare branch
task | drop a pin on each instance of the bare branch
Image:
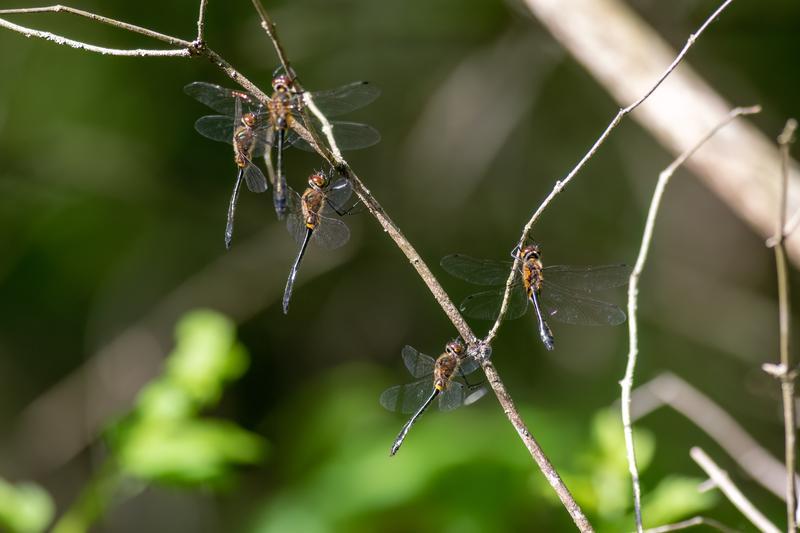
(174, 41)
(560, 184)
(723, 481)
(201, 21)
(786, 375)
(686, 524)
(57, 39)
(633, 292)
(535, 450)
(272, 33)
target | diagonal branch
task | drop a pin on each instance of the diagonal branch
(633, 292)
(731, 491)
(560, 184)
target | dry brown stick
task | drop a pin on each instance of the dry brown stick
(784, 371)
(731, 491)
(633, 291)
(272, 33)
(560, 184)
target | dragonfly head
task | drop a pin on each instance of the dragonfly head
(249, 120)
(530, 251)
(318, 180)
(456, 348)
(281, 84)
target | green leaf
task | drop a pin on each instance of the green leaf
(675, 498)
(24, 508)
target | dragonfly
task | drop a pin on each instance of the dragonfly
(280, 123)
(436, 379)
(558, 292)
(311, 219)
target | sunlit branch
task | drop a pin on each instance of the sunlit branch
(784, 371)
(272, 33)
(57, 39)
(633, 291)
(731, 491)
(692, 522)
(174, 41)
(560, 184)
(201, 21)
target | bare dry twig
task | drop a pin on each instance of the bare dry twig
(691, 522)
(633, 292)
(201, 21)
(560, 184)
(731, 491)
(784, 371)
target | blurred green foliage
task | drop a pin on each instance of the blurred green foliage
(24, 508)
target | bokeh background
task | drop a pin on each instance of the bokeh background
(111, 228)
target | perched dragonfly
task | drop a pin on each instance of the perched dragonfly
(280, 124)
(436, 379)
(559, 292)
(311, 220)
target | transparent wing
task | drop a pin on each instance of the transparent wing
(468, 366)
(348, 135)
(220, 99)
(254, 178)
(337, 195)
(588, 278)
(346, 98)
(331, 233)
(570, 307)
(474, 394)
(294, 221)
(418, 364)
(486, 305)
(215, 127)
(476, 271)
(406, 398)
(452, 397)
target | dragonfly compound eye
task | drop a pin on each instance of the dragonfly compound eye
(249, 120)
(318, 180)
(281, 84)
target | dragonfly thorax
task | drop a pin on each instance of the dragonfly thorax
(446, 366)
(312, 201)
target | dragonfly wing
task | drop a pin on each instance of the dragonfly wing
(476, 271)
(215, 127)
(255, 179)
(337, 195)
(571, 307)
(331, 233)
(588, 278)
(418, 364)
(474, 394)
(486, 305)
(452, 397)
(346, 98)
(217, 98)
(348, 135)
(468, 366)
(294, 221)
(406, 398)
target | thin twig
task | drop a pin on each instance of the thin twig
(560, 184)
(723, 481)
(201, 21)
(335, 159)
(535, 450)
(272, 33)
(28, 32)
(633, 291)
(784, 371)
(174, 41)
(686, 524)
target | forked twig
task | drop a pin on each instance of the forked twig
(731, 491)
(633, 292)
(784, 371)
(560, 184)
